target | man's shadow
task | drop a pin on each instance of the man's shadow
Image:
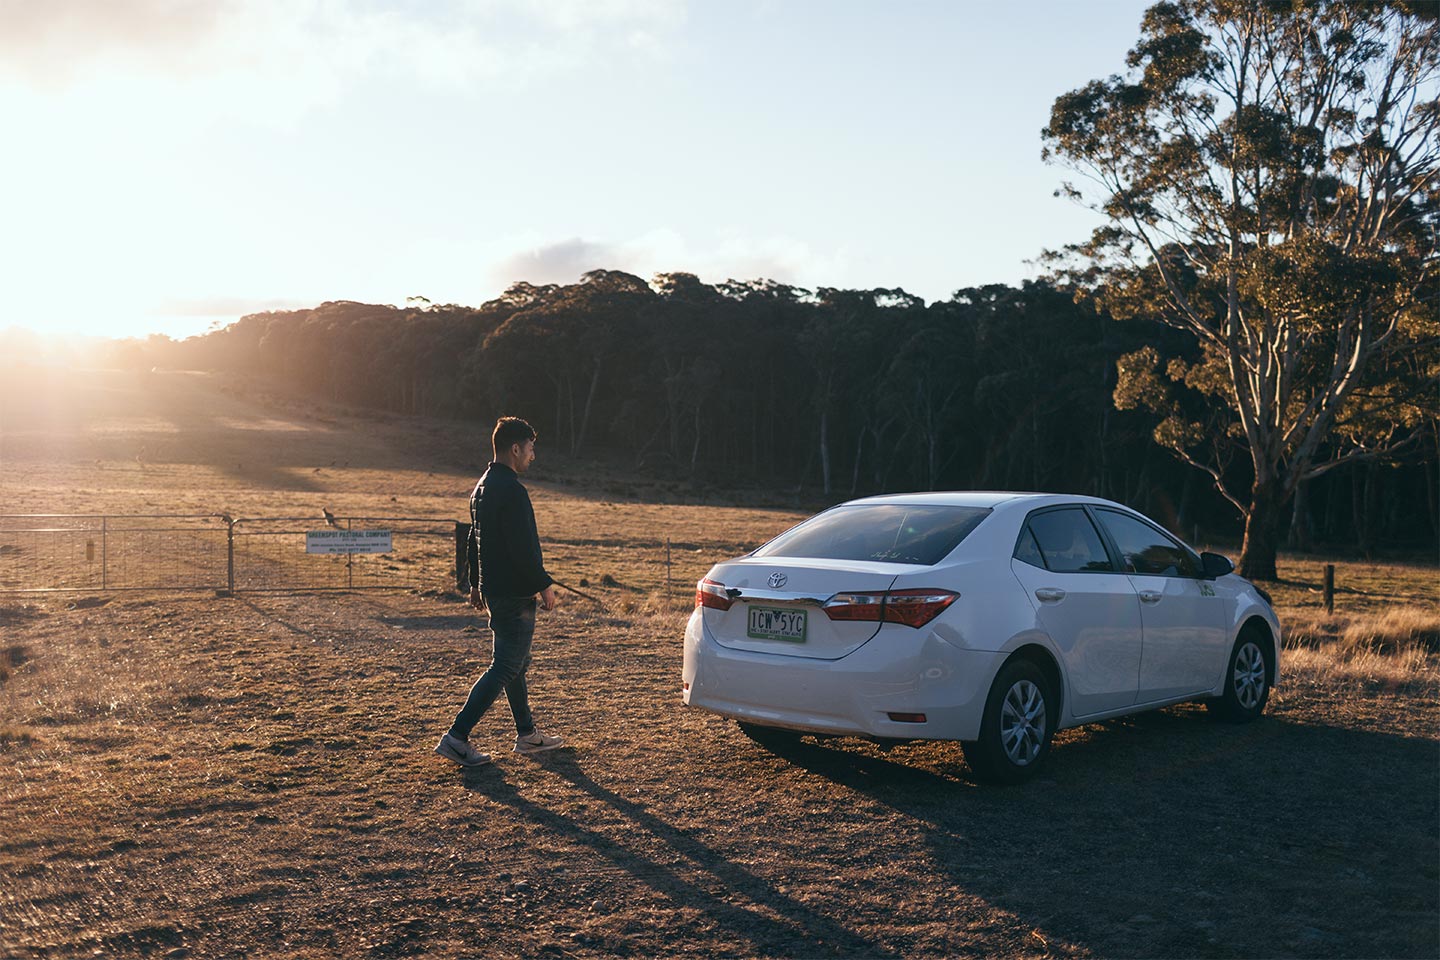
(796, 929)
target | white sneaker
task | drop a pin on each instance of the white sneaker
(453, 748)
(535, 742)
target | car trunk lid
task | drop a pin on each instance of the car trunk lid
(777, 605)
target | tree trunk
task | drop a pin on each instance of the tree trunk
(754, 437)
(589, 404)
(1100, 485)
(1142, 480)
(1360, 509)
(1430, 498)
(695, 450)
(855, 468)
(672, 406)
(1300, 524)
(879, 456)
(1183, 514)
(825, 449)
(1034, 444)
(1331, 527)
(1262, 530)
(1373, 484)
(931, 440)
(1391, 526)
(559, 408)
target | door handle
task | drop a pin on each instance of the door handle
(1049, 594)
(1150, 596)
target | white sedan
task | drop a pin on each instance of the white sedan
(994, 619)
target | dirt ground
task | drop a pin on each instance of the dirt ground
(188, 775)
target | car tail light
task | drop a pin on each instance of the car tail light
(914, 608)
(855, 606)
(711, 593)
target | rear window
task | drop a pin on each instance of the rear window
(889, 532)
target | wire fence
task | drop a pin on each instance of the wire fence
(87, 553)
(75, 553)
(56, 553)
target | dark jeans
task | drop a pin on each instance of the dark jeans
(512, 621)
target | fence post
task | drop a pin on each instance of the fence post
(462, 557)
(230, 555)
(667, 573)
(104, 554)
(1329, 588)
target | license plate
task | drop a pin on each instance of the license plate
(768, 623)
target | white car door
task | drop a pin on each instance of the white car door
(1087, 607)
(1185, 649)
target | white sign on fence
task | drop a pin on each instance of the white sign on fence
(347, 541)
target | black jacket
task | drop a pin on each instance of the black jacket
(505, 556)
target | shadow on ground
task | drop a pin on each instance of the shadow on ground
(704, 880)
(1169, 835)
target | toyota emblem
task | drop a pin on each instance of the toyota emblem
(778, 579)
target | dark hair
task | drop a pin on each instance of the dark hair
(509, 431)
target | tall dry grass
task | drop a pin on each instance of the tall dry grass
(87, 678)
(1398, 647)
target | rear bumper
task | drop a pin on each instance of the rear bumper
(901, 670)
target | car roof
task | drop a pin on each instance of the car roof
(986, 498)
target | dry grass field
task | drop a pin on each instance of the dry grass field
(191, 775)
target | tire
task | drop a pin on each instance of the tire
(1020, 717)
(1247, 681)
(772, 738)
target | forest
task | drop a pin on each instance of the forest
(1249, 339)
(824, 394)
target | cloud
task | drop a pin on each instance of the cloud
(285, 57)
(48, 40)
(561, 262)
(725, 257)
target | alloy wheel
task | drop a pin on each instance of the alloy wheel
(1249, 676)
(1022, 723)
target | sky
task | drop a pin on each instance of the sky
(170, 165)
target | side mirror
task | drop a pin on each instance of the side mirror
(1214, 565)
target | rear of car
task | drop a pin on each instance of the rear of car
(858, 621)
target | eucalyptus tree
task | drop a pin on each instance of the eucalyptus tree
(780, 381)
(846, 338)
(577, 334)
(688, 356)
(1268, 171)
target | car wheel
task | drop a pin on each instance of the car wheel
(1015, 731)
(1247, 682)
(769, 737)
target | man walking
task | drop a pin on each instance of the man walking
(507, 575)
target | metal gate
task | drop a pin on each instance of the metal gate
(46, 553)
(270, 554)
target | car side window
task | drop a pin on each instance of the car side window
(1026, 549)
(1068, 542)
(1146, 550)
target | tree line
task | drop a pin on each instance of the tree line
(1261, 303)
(830, 393)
